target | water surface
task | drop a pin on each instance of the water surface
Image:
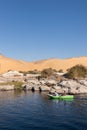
(35, 111)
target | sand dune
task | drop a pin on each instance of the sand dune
(11, 64)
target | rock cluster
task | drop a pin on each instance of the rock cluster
(70, 86)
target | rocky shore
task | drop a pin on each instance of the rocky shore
(50, 85)
(70, 86)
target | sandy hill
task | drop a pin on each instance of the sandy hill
(60, 63)
(11, 64)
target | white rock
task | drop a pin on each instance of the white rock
(6, 87)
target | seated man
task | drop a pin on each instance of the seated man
(56, 94)
(64, 93)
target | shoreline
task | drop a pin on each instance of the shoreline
(47, 85)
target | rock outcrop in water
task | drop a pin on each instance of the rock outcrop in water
(6, 87)
(70, 86)
(51, 84)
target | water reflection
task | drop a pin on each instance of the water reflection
(19, 93)
(27, 110)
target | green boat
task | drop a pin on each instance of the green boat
(61, 97)
(53, 97)
(67, 97)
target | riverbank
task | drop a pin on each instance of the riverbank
(71, 86)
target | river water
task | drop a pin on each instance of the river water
(35, 111)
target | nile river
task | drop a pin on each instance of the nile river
(35, 111)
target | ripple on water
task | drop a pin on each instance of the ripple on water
(34, 111)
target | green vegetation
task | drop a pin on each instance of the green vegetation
(47, 73)
(17, 84)
(30, 72)
(9, 70)
(23, 72)
(60, 71)
(78, 71)
(33, 72)
(6, 83)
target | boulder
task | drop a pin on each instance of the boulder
(44, 88)
(6, 87)
(74, 87)
(83, 82)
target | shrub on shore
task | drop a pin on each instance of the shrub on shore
(60, 71)
(17, 84)
(30, 72)
(78, 71)
(47, 73)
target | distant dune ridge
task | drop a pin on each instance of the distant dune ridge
(19, 65)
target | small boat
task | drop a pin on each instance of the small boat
(67, 97)
(61, 97)
(53, 97)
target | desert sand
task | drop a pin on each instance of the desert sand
(19, 65)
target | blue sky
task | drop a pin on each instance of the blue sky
(41, 29)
